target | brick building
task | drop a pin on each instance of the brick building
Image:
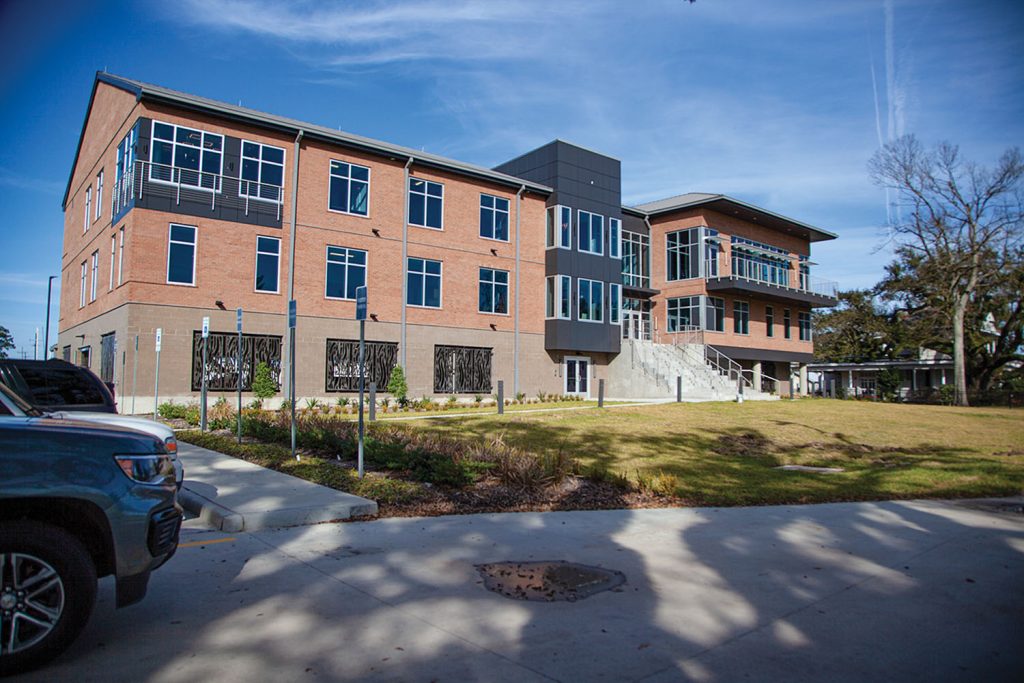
(179, 208)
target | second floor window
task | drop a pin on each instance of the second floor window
(426, 203)
(740, 317)
(683, 313)
(769, 321)
(113, 257)
(88, 208)
(95, 274)
(493, 217)
(683, 254)
(591, 232)
(120, 256)
(262, 171)
(186, 156)
(423, 285)
(99, 196)
(636, 259)
(803, 319)
(591, 304)
(181, 255)
(614, 233)
(493, 291)
(559, 227)
(558, 297)
(81, 291)
(346, 270)
(268, 256)
(786, 322)
(714, 314)
(614, 303)
(350, 188)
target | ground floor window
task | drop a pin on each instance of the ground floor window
(715, 314)
(343, 364)
(108, 349)
(222, 359)
(462, 369)
(683, 312)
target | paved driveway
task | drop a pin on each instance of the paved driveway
(849, 592)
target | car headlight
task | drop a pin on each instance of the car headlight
(157, 469)
(171, 444)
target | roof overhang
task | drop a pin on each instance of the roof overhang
(764, 290)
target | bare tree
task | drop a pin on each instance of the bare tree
(958, 222)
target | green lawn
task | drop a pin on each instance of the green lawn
(725, 454)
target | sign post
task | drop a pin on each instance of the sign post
(135, 370)
(206, 336)
(238, 365)
(361, 317)
(292, 315)
(156, 384)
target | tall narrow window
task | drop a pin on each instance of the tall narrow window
(591, 296)
(113, 253)
(186, 156)
(346, 270)
(120, 257)
(99, 195)
(268, 257)
(614, 303)
(181, 255)
(493, 217)
(88, 208)
(350, 188)
(740, 317)
(95, 274)
(81, 291)
(769, 321)
(565, 297)
(124, 173)
(262, 171)
(683, 254)
(493, 291)
(559, 227)
(614, 237)
(711, 250)
(550, 297)
(590, 232)
(423, 283)
(636, 259)
(786, 321)
(803, 319)
(714, 314)
(426, 203)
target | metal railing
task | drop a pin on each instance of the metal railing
(753, 270)
(688, 335)
(181, 184)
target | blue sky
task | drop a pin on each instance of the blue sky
(777, 103)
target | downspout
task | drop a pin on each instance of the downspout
(515, 333)
(405, 258)
(291, 258)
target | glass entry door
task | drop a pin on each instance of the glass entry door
(577, 375)
(636, 319)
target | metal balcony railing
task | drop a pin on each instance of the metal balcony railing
(780, 276)
(182, 184)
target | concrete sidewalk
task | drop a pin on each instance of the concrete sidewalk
(233, 495)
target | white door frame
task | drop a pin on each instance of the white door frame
(565, 375)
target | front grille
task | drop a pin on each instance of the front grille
(163, 531)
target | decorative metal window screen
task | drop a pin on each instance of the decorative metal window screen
(343, 364)
(107, 350)
(462, 369)
(222, 359)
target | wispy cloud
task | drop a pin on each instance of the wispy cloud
(13, 180)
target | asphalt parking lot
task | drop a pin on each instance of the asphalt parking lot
(844, 592)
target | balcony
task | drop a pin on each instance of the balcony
(755, 277)
(196, 193)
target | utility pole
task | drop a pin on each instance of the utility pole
(46, 335)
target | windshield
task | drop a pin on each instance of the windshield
(22, 404)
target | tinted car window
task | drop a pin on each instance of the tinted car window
(59, 387)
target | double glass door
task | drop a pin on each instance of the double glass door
(577, 376)
(636, 319)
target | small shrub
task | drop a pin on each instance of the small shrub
(397, 385)
(342, 401)
(286, 405)
(601, 473)
(520, 396)
(660, 484)
(191, 414)
(541, 396)
(312, 403)
(169, 410)
(453, 401)
(477, 399)
(221, 415)
(264, 385)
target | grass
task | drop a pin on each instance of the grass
(726, 454)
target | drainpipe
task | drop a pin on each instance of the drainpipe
(515, 333)
(291, 259)
(405, 258)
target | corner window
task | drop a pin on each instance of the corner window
(559, 227)
(614, 236)
(95, 274)
(186, 156)
(769, 321)
(268, 256)
(614, 303)
(591, 300)
(803, 319)
(181, 255)
(591, 232)
(346, 270)
(740, 317)
(493, 291)
(262, 172)
(423, 283)
(558, 297)
(350, 188)
(493, 218)
(683, 314)
(124, 172)
(714, 314)
(426, 203)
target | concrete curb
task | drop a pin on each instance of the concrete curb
(217, 516)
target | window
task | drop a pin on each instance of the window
(268, 256)
(181, 255)
(636, 259)
(222, 359)
(350, 188)
(591, 306)
(493, 291)
(120, 257)
(88, 208)
(113, 254)
(803, 321)
(682, 254)
(493, 218)
(753, 260)
(462, 369)
(683, 313)
(66, 353)
(426, 203)
(346, 270)
(95, 274)
(423, 283)
(786, 320)
(262, 172)
(769, 321)
(559, 227)
(124, 172)
(99, 195)
(108, 351)
(343, 363)
(805, 273)
(711, 249)
(591, 232)
(614, 236)
(614, 303)
(714, 314)
(81, 291)
(740, 317)
(550, 297)
(558, 297)
(186, 156)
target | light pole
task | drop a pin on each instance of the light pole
(46, 335)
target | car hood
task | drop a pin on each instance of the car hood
(162, 432)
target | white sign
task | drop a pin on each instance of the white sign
(159, 336)
(206, 327)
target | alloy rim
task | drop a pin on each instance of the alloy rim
(31, 601)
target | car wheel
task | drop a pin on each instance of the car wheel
(47, 591)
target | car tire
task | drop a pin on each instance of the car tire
(59, 603)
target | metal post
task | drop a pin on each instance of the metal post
(238, 361)
(291, 383)
(362, 382)
(124, 361)
(501, 397)
(373, 401)
(739, 388)
(679, 388)
(600, 393)
(202, 408)
(791, 384)
(135, 370)
(156, 383)
(46, 335)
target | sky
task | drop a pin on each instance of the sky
(780, 104)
